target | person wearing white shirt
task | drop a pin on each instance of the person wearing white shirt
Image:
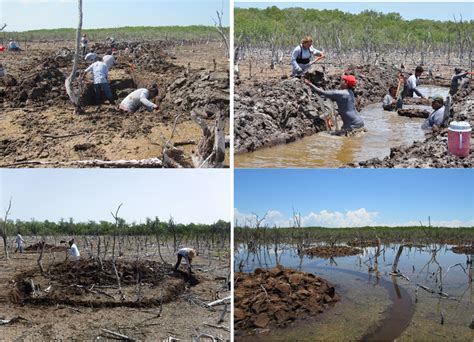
(84, 44)
(302, 55)
(73, 251)
(19, 243)
(138, 98)
(411, 86)
(91, 57)
(109, 60)
(188, 254)
(100, 73)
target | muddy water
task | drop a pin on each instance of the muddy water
(381, 308)
(384, 130)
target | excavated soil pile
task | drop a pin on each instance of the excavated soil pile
(414, 113)
(463, 249)
(42, 84)
(205, 92)
(277, 297)
(47, 247)
(86, 283)
(416, 101)
(276, 112)
(332, 252)
(433, 152)
(272, 113)
(363, 243)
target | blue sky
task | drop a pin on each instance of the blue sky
(408, 10)
(199, 196)
(348, 197)
(22, 15)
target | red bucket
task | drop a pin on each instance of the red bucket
(2, 48)
(459, 138)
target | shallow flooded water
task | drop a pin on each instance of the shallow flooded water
(381, 307)
(384, 130)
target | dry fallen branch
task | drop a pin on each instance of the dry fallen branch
(12, 320)
(117, 335)
(219, 301)
(146, 163)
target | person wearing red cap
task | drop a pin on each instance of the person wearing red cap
(345, 100)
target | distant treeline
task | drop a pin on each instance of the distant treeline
(428, 234)
(127, 32)
(334, 28)
(150, 227)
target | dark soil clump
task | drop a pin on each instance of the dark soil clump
(95, 284)
(463, 249)
(277, 297)
(414, 113)
(328, 252)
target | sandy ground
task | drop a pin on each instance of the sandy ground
(182, 318)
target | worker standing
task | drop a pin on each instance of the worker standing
(100, 74)
(456, 80)
(302, 55)
(84, 44)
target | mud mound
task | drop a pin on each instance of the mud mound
(463, 249)
(331, 252)
(433, 152)
(277, 297)
(363, 243)
(37, 247)
(272, 113)
(414, 113)
(203, 91)
(277, 112)
(89, 283)
(42, 85)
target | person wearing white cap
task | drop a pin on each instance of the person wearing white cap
(188, 254)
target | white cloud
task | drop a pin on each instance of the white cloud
(325, 218)
(335, 219)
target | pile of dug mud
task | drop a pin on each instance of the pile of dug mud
(277, 297)
(363, 243)
(463, 249)
(42, 84)
(328, 252)
(413, 113)
(276, 112)
(94, 284)
(433, 151)
(47, 247)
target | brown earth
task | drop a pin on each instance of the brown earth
(76, 300)
(277, 297)
(363, 243)
(37, 122)
(463, 249)
(328, 252)
(414, 113)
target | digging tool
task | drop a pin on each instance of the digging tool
(398, 93)
(311, 63)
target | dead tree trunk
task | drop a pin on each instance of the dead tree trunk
(73, 96)
(4, 230)
(221, 31)
(397, 258)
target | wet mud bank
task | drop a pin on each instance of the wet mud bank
(277, 297)
(277, 112)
